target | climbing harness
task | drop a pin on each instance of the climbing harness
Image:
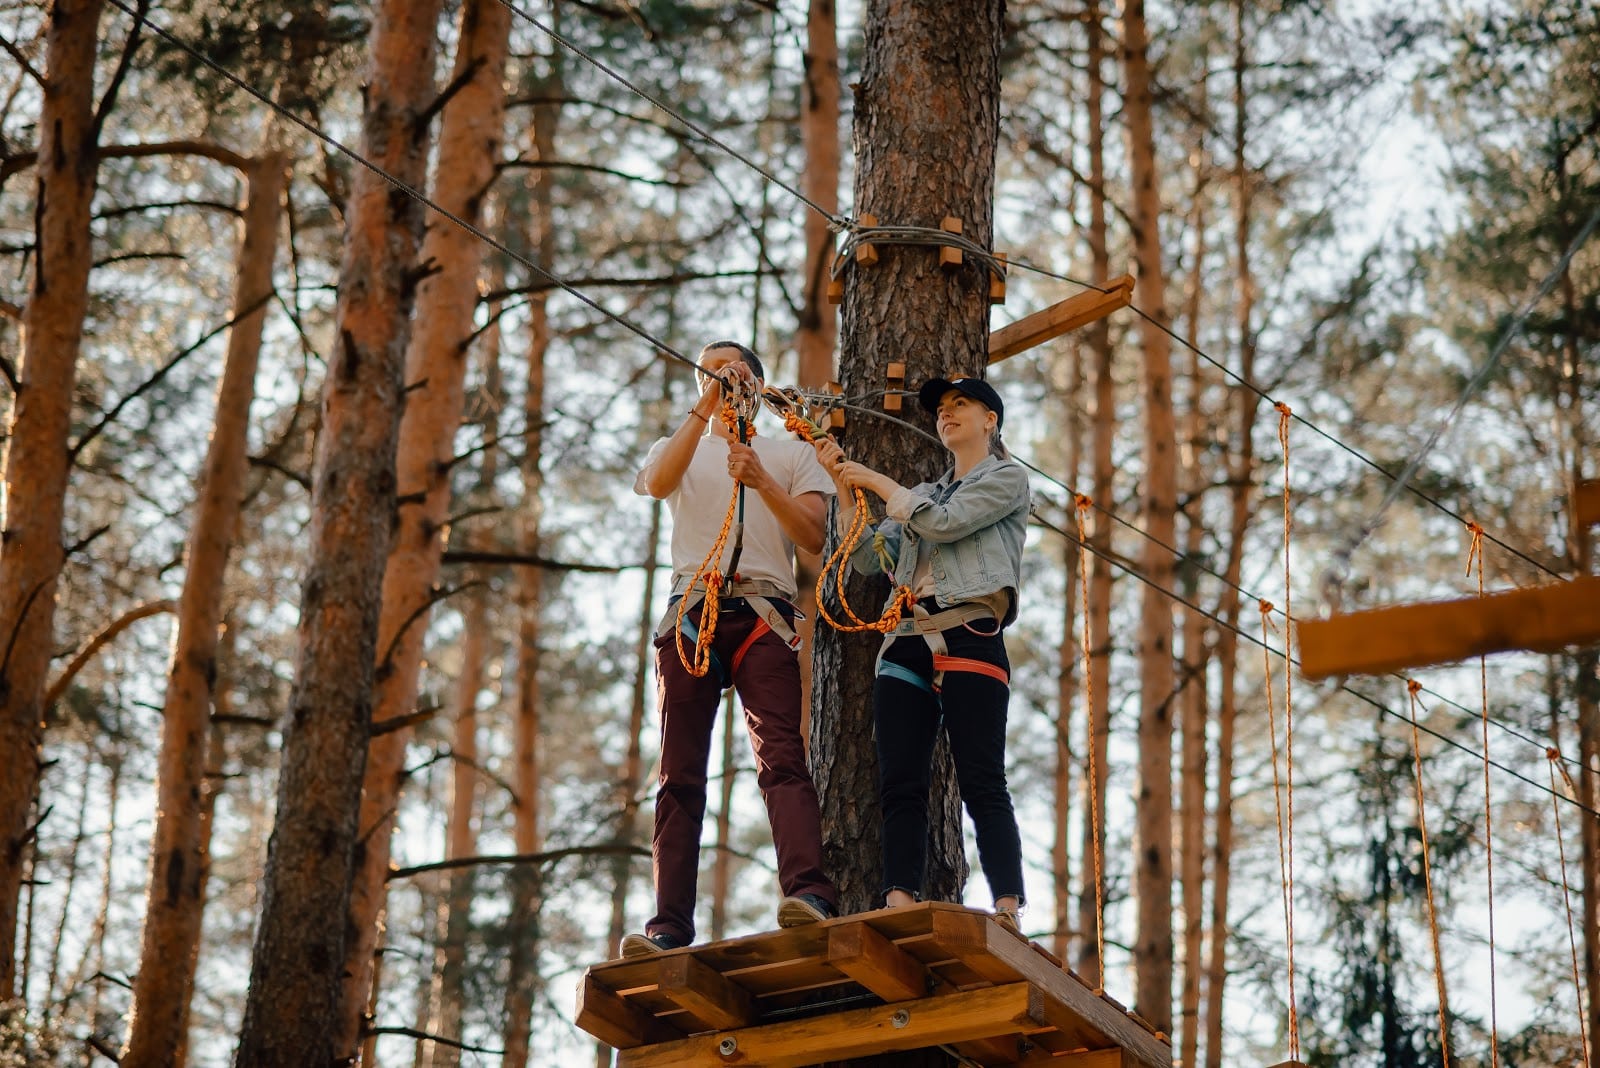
(931, 626)
(755, 595)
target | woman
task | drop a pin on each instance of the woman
(957, 543)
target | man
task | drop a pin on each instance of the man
(753, 649)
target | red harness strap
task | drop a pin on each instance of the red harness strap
(942, 664)
(756, 632)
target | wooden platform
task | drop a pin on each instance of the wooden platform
(931, 974)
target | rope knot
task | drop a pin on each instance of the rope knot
(1413, 687)
(1283, 409)
(1266, 606)
(1552, 754)
(1083, 501)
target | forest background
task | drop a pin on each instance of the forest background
(1358, 211)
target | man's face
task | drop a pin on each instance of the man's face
(725, 361)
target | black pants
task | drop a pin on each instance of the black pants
(972, 710)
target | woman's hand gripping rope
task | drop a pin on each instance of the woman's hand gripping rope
(786, 404)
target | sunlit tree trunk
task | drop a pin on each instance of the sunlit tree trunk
(522, 976)
(1103, 436)
(1241, 470)
(1069, 679)
(722, 863)
(37, 458)
(292, 1008)
(920, 60)
(1153, 951)
(819, 134)
(469, 148)
(161, 990)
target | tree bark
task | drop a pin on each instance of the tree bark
(37, 458)
(469, 147)
(1069, 656)
(1241, 469)
(1098, 720)
(927, 121)
(1153, 950)
(158, 1019)
(819, 135)
(291, 1011)
(522, 977)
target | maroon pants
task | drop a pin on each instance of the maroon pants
(767, 679)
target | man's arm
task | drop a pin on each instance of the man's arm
(803, 516)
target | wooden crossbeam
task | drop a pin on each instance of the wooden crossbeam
(614, 1021)
(704, 993)
(1058, 319)
(1541, 619)
(876, 963)
(1586, 503)
(859, 1033)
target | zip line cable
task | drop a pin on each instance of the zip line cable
(409, 190)
(672, 353)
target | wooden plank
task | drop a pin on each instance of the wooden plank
(1540, 619)
(1063, 1003)
(873, 961)
(1083, 1058)
(1586, 503)
(1058, 319)
(614, 1021)
(705, 994)
(933, 1021)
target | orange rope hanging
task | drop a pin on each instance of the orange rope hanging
(1084, 503)
(1554, 756)
(839, 562)
(1414, 687)
(709, 576)
(1284, 414)
(1475, 556)
(1267, 608)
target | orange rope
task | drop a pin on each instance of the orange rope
(839, 562)
(1554, 756)
(1475, 555)
(1288, 724)
(1267, 609)
(1084, 503)
(709, 575)
(1414, 687)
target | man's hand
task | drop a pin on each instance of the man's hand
(745, 465)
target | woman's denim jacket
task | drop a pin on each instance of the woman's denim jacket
(976, 525)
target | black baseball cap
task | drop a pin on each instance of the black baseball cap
(935, 388)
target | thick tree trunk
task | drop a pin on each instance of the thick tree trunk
(927, 120)
(37, 459)
(1241, 470)
(291, 1010)
(1097, 722)
(722, 862)
(1069, 658)
(522, 978)
(469, 147)
(1153, 951)
(819, 134)
(161, 990)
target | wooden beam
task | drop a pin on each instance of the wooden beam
(876, 963)
(1586, 503)
(1067, 1005)
(934, 1021)
(1541, 619)
(1058, 319)
(614, 1021)
(705, 993)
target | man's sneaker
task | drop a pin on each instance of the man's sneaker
(801, 909)
(1009, 917)
(635, 946)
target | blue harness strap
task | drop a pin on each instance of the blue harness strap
(905, 674)
(691, 634)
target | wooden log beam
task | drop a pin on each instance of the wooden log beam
(933, 1021)
(1540, 619)
(1586, 503)
(1058, 319)
(614, 1021)
(704, 992)
(876, 963)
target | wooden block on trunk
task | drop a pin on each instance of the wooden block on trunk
(949, 255)
(866, 252)
(997, 283)
(835, 291)
(896, 376)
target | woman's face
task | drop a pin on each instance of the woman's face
(962, 420)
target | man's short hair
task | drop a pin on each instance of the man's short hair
(751, 360)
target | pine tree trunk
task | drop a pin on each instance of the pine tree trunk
(161, 990)
(1153, 950)
(37, 459)
(522, 976)
(1196, 657)
(1097, 725)
(819, 134)
(927, 119)
(1241, 470)
(722, 862)
(1069, 657)
(292, 1008)
(469, 147)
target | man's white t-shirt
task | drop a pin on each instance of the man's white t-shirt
(700, 503)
